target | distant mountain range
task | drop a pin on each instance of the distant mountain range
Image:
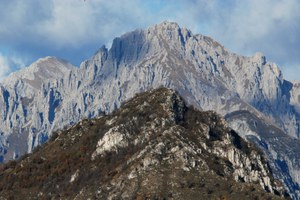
(153, 147)
(250, 92)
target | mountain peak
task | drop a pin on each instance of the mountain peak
(206, 74)
(138, 44)
(44, 69)
(168, 25)
(52, 62)
(171, 29)
(260, 58)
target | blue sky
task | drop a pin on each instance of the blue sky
(75, 29)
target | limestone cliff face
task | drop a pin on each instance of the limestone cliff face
(29, 105)
(154, 146)
(51, 94)
(280, 149)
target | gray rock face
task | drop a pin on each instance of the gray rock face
(206, 74)
(280, 149)
(153, 147)
(29, 105)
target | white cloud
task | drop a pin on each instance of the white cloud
(4, 67)
(68, 22)
(8, 65)
(248, 26)
(255, 20)
(70, 29)
(40, 28)
(72, 22)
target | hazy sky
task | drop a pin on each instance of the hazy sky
(75, 29)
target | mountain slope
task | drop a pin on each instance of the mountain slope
(153, 147)
(208, 75)
(280, 149)
(205, 73)
(40, 72)
(18, 95)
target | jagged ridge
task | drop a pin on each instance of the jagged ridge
(153, 147)
(206, 74)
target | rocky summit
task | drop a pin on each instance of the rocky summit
(251, 92)
(153, 147)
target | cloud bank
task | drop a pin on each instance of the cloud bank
(75, 29)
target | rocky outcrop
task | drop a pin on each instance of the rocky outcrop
(280, 149)
(154, 146)
(205, 73)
